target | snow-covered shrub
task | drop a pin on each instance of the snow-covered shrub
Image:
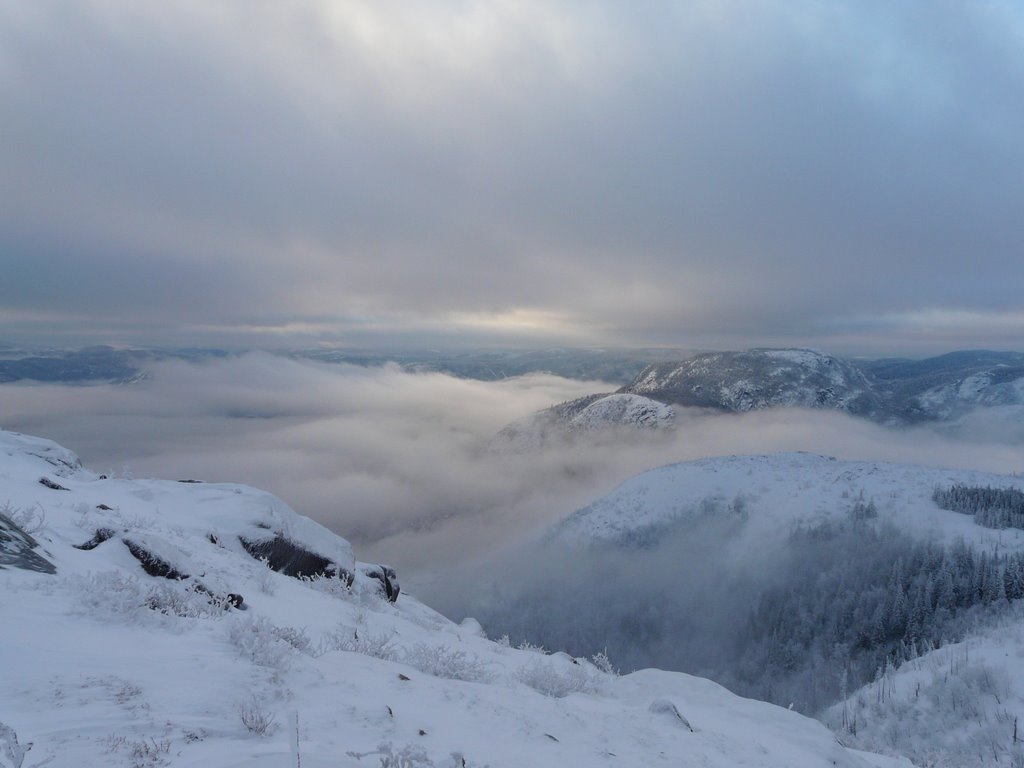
(296, 638)
(408, 756)
(451, 663)
(329, 585)
(257, 640)
(257, 720)
(107, 595)
(544, 677)
(348, 639)
(526, 645)
(150, 754)
(184, 600)
(10, 748)
(30, 520)
(143, 753)
(265, 578)
(603, 663)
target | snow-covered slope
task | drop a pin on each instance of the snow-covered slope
(959, 705)
(624, 410)
(775, 492)
(759, 378)
(587, 415)
(994, 388)
(104, 664)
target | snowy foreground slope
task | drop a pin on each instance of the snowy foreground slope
(103, 664)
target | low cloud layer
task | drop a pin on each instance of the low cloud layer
(403, 463)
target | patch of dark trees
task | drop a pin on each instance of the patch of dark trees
(858, 599)
(802, 624)
(991, 507)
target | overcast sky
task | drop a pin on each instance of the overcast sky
(722, 174)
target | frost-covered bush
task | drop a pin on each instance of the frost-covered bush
(526, 645)
(349, 639)
(108, 594)
(603, 663)
(257, 720)
(265, 578)
(184, 600)
(258, 641)
(451, 663)
(363, 591)
(111, 595)
(31, 520)
(544, 677)
(10, 749)
(296, 638)
(408, 756)
(328, 585)
(142, 753)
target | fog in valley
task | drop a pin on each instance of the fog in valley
(406, 465)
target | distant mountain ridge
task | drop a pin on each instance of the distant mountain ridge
(760, 378)
(99, 364)
(897, 392)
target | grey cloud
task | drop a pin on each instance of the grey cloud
(737, 171)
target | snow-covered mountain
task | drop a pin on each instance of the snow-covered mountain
(188, 624)
(778, 491)
(897, 392)
(594, 413)
(759, 378)
(798, 578)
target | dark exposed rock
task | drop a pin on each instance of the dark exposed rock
(104, 507)
(160, 568)
(940, 389)
(387, 577)
(152, 564)
(190, 481)
(101, 535)
(16, 549)
(50, 484)
(291, 559)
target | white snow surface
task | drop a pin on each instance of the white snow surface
(781, 490)
(624, 410)
(615, 411)
(93, 674)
